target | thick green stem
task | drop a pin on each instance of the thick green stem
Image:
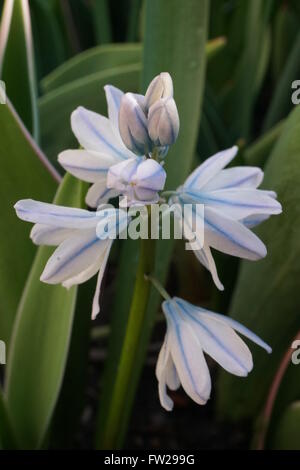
(110, 435)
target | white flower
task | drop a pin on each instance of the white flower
(191, 331)
(102, 147)
(232, 204)
(84, 240)
(137, 179)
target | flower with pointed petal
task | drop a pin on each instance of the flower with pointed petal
(82, 237)
(160, 87)
(138, 180)
(102, 147)
(163, 122)
(192, 331)
(232, 205)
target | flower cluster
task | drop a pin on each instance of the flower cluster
(122, 155)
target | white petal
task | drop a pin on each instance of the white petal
(165, 401)
(86, 274)
(57, 216)
(99, 193)
(205, 257)
(96, 132)
(163, 122)
(73, 256)
(210, 168)
(122, 173)
(237, 177)
(104, 258)
(113, 98)
(255, 219)
(150, 175)
(240, 203)
(188, 356)
(231, 237)
(243, 330)
(219, 340)
(49, 235)
(87, 166)
(133, 125)
(160, 87)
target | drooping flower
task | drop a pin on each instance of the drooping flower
(232, 205)
(83, 238)
(191, 332)
(102, 147)
(139, 180)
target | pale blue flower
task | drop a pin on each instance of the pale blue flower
(232, 205)
(191, 332)
(102, 147)
(139, 180)
(83, 239)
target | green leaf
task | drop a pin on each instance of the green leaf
(258, 152)
(175, 40)
(50, 50)
(17, 61)
(56, 107)
(7, 438)
(98, 59)
(267, 295)
(288, 429)
(102, 23)
(25, 172)
(40, 342)
(281, 101)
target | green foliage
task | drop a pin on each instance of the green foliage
(25, 172)
(267, 298)
(40, 342)
(17, 61)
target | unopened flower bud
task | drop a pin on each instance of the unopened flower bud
(160, 87)
(133, 124)
(163, 122)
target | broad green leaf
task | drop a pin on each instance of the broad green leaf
(40, 342)
(259, 151)
(175, 38)
(288, 429)
(267, 295)
(56, 107)
(281, 102)
(17, 61)
(98, 59)
(25, 172)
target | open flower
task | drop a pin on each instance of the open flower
(232, 204)
(102, 147)
(83, 238)
(191, 331)
(139, 180)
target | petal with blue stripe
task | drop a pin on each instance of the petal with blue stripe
(210, 168)
(237, 177)
(73, 256)
(87, 166)
(188, 356)
(57, 216)
(49, 235)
